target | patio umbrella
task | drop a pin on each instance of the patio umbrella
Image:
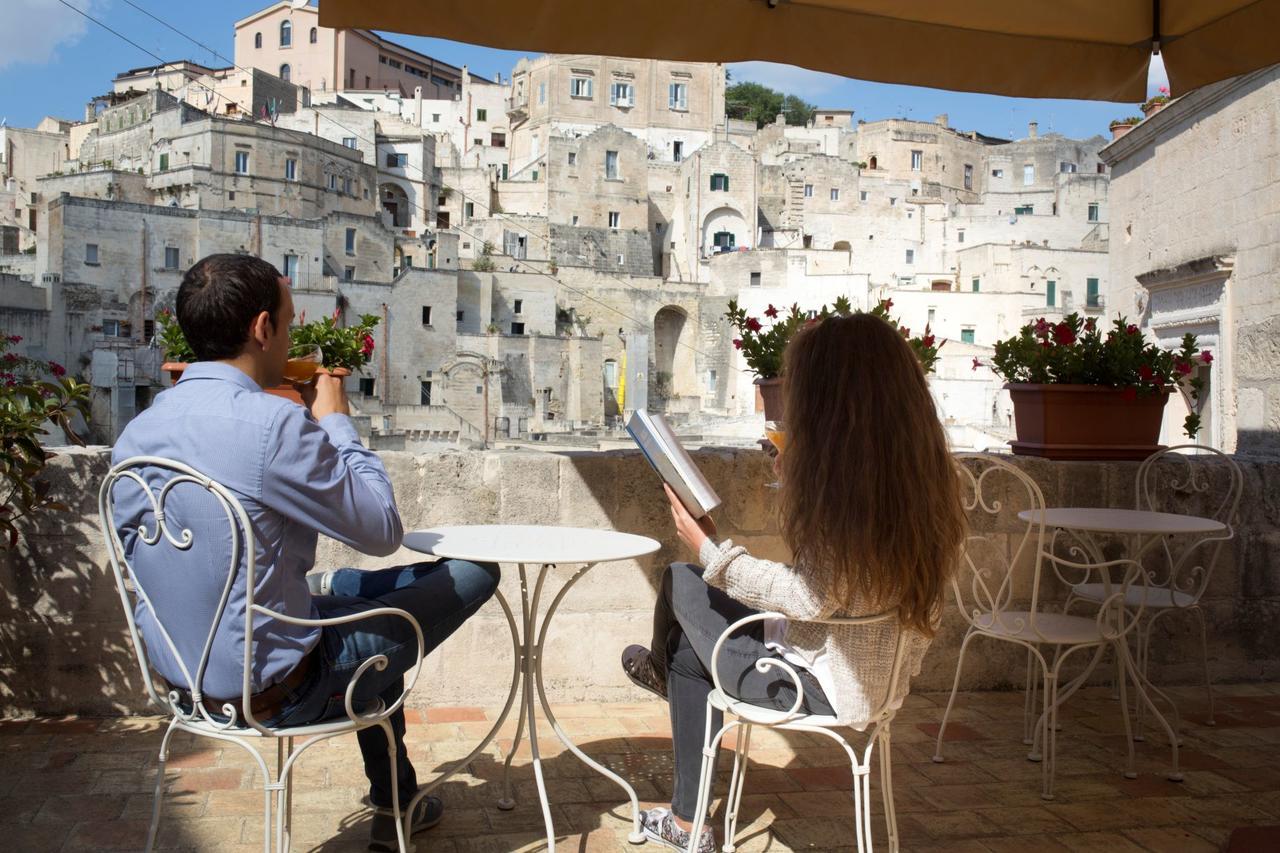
(1091, 49)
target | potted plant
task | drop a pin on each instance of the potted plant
(343, 349)
(762, 348)
(1156, 103)
(1081, 394)
(1121, 126)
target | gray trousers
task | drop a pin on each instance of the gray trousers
(689, 618)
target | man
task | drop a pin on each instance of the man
(298, 472)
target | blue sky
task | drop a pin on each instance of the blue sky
(52, 61)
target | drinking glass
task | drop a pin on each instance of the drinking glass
(777, 435)
(304, 361)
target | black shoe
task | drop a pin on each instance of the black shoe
(382, 835)
(637, 663)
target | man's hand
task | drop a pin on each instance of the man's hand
(692, 532)
(324, 396)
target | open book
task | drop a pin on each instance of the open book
(664, 452)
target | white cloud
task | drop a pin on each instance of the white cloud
(1156, 75)
(786, 78)
(33, 29)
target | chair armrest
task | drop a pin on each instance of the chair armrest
(378, 662)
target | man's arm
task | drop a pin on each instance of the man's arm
(320, 475)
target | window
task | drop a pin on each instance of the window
(968, 176)
(960, 236)
(333, 181)
(611, 165)
(1024, 210)
(622, 95)
(575, 220)
(517, 328)
(91, 253)
(615, 219)
(290, 169)
(755, 279)
(1091, 299)
(911, 256)
(534, 176)
(382, 60)
(862, 196)
(171, 258)
(977, 285)
(678, 96)
(285, 71)
(711, 381)
(257, 39)
(462, 315)
(1028, 174)
(349, 274)
(835, 194)
(1093, 213)
(1051, 293)
(469, 210)
(517, 306)
(542, 93)
(917, 160)
(394, 63)
(723, 241)
(351, 241)
(893, 201)
(580, 87)
(997, 173)
(966, 336)
(426, 315)
(346, 186)
(933, 312)
(573, 158)
(1067, 168)
(349, 141)
(164, 162)
(242, 162)
(111, 329)
(482, 115)
(498, 140)
(677, 151)
(808, 190)
(610, 373)
(720, 182)
(286, 34)
(424, 392)
(313, 39)
(366, 382)
(290, 268)
(397, 161)
(435, 118)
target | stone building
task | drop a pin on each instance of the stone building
(25, 156)
(1196, 210)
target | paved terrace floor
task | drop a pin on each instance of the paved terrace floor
(84, 784)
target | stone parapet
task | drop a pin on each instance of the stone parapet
(64, 648)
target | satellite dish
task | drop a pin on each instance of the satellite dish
(299, 4)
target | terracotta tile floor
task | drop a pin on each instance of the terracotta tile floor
(85, 784)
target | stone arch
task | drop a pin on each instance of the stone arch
(393, 200)
(724, 229)
(285, 72)
(673, 362)
(286, 34)
(314, 35)
(872, 163)
(842, 246)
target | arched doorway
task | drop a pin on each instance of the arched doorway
(724, 230)
(395, 201)
(871, 164)
(672, 354)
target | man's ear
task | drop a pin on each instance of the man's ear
(262, 329)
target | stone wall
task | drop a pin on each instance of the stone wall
(63, 648)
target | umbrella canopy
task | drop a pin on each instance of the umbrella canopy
(1090, 49)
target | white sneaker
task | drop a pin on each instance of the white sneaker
(660, 825)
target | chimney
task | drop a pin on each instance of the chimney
(941, 120)
(90, 114)
(417, 105)
(1032, 129)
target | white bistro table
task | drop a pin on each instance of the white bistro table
(1146, 529)
(544, 547)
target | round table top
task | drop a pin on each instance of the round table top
(520, 543)
(1105, 520)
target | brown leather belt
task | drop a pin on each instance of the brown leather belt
(267, 703)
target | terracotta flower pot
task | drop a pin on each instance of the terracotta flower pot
(288, 392)
(1085, 422)
(771, 397)
(1119, 130)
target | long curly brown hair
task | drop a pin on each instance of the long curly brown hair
(870, 490)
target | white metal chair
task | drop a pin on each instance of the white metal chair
(239, 726)
(1166, 481)
(998, 590)
(747, 715)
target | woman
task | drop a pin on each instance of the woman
(870, 509)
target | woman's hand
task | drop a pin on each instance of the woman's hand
(692, 532)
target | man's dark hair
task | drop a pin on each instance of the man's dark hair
(218, 299)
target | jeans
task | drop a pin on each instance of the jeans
(440, 596)
(689, 618)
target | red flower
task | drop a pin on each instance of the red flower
(1183, 367)
(1130, 393)
(886, 304)
(1064, 334)
(737, 343)
(906, 333)
(771, 312)
(15, 339)
(367, 346)
(1043, 327)
(337, 312)
(976, 363)
(753, 325)
(11, 358)
(302, 318)
(1206, 357)
(1090, 324)
(1132, 329)
(928, 340)
(1146, 372)
(58, 370)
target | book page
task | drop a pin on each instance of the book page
(642, 429)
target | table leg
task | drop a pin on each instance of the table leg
(636, 836)
(1142, 686)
